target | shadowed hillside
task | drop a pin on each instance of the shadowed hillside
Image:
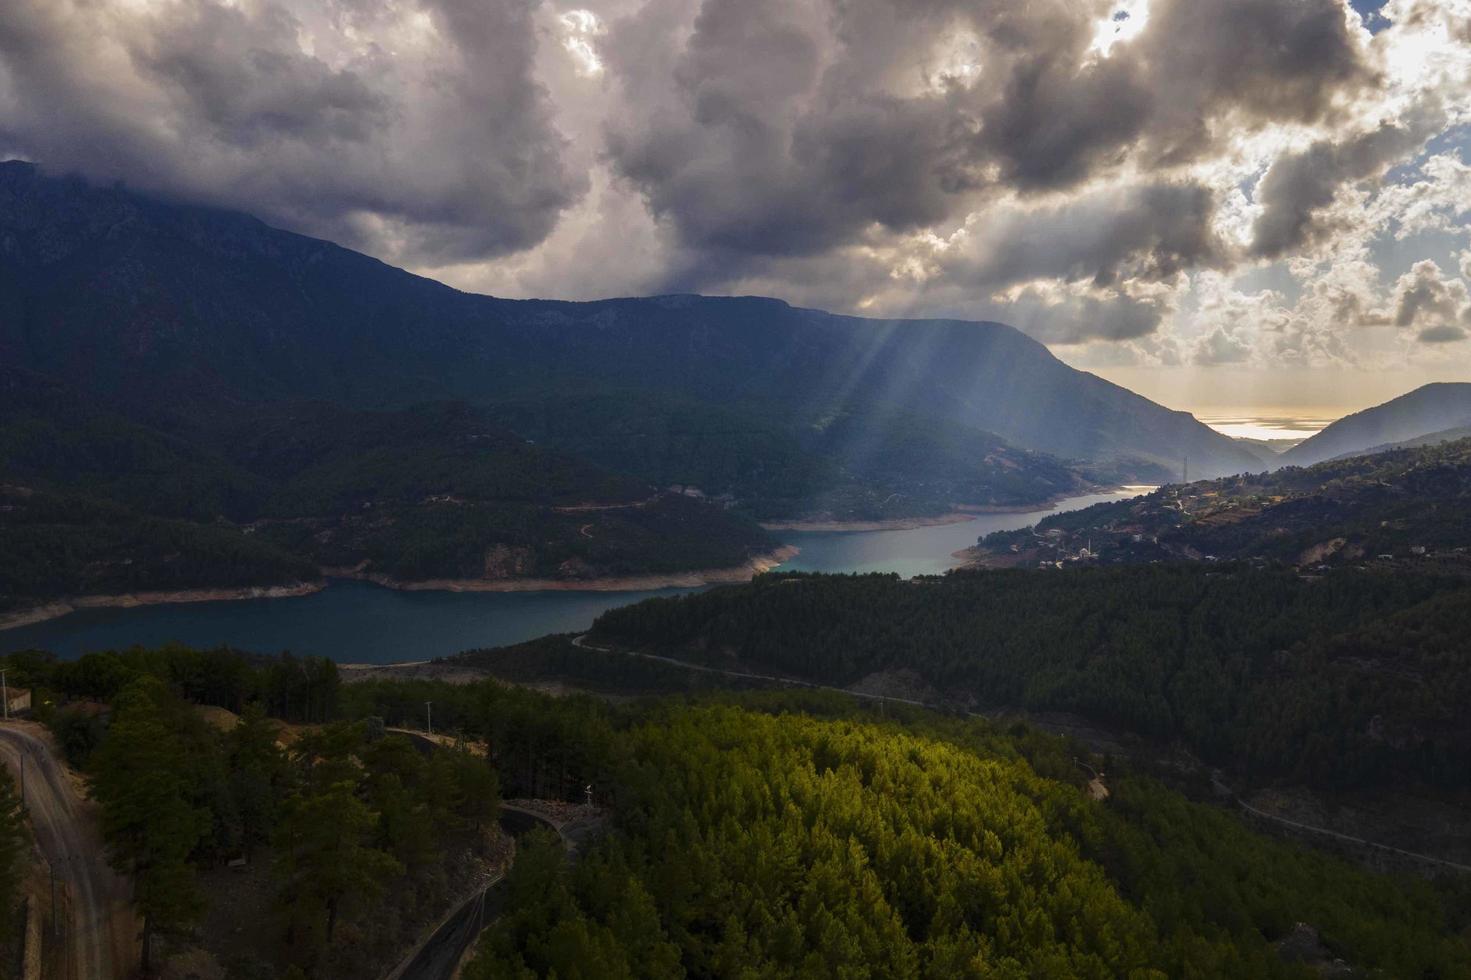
(1433, 408)
(181, 315)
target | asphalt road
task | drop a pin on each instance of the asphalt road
(438, 957)
(97, 931)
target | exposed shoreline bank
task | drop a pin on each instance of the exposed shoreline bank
(129, 600)
(895, 524)
(626, 583)
(620, 583)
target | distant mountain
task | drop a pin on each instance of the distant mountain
(178, 316)
(1268, 451)
(1428, 409)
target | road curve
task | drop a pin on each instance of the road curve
(438, 956)
(97, 928)
(1355, 841)
(581, 641)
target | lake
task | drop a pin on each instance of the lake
(356, 622)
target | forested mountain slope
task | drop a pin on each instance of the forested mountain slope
(435, 491)
(786, 845)
(781, 835)
(1404, 505)
(181, 315)
(59, 545)
(1354, 680)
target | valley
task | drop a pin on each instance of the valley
(277, 409)
(359, 621)
(916, 585)
(735, 490)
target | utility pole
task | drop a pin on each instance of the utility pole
(428, 718)
(5, 692)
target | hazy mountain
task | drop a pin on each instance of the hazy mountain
(1429, 439)
(180, 315)
(1428, 409)
(1260, 452)
(1269, 451)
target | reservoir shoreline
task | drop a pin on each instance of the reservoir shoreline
(130, 600)
(615, 583)
(354, 620)
(696, 578)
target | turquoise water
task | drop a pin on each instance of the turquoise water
(917, 551)
(355, 622)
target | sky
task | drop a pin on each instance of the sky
(1231, 206)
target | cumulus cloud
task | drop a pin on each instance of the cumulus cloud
(796, 125)
(1220, 347)
(1298, 189)
(1439, 308)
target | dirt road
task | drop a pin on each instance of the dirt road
(97, 922)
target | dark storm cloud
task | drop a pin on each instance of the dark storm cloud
(1248, 62)
(1055, 124)
(1064, 114)
(1296, 192)
(332, 119)
(235, 78)
(794, 128)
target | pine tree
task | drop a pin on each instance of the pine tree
(149, 825)
(324, 853)
(257, 770)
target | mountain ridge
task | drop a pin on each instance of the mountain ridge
(169, 310)
(1430, 408)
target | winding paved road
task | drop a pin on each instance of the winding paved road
(97, 928)
(438, 956)
(581, 640)
(1369, 845)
